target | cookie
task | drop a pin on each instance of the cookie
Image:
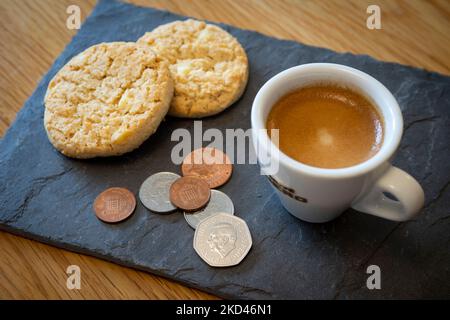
(107, 100)
(208, 65)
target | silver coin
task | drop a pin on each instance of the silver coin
(218, 202)
(222, 240)
(154, 192)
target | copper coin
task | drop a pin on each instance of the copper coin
(209, 164)
(114, 205)
(189, 193)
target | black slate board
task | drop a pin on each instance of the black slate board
(48, 197)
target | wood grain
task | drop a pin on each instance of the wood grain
(33, 33)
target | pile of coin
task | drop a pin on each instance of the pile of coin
(221, 239)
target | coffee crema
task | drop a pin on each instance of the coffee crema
(327, 126)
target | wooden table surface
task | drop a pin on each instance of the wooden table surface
(33, 33)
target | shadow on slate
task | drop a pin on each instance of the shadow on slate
(48, 197)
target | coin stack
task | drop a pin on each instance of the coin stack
(221, 239)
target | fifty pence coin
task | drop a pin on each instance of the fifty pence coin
(209, 164)
(189, 193)
(222, 240)
(219, 202)
(154, 192)
(114, 205)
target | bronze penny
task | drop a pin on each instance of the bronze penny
(114, 205)
(189, 193)
(209, 164)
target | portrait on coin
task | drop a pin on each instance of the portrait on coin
(222, 238)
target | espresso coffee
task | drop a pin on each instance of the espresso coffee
(327, 126)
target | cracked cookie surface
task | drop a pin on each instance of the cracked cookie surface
(107, 100)
(208, 65)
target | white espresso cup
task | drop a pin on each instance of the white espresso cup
(318, 195)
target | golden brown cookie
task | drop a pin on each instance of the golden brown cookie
(208, 65)
(107, 100)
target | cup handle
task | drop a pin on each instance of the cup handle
(408, 192)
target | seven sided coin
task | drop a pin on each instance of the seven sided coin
(222, 240)
(154, 192)
(219, 202)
